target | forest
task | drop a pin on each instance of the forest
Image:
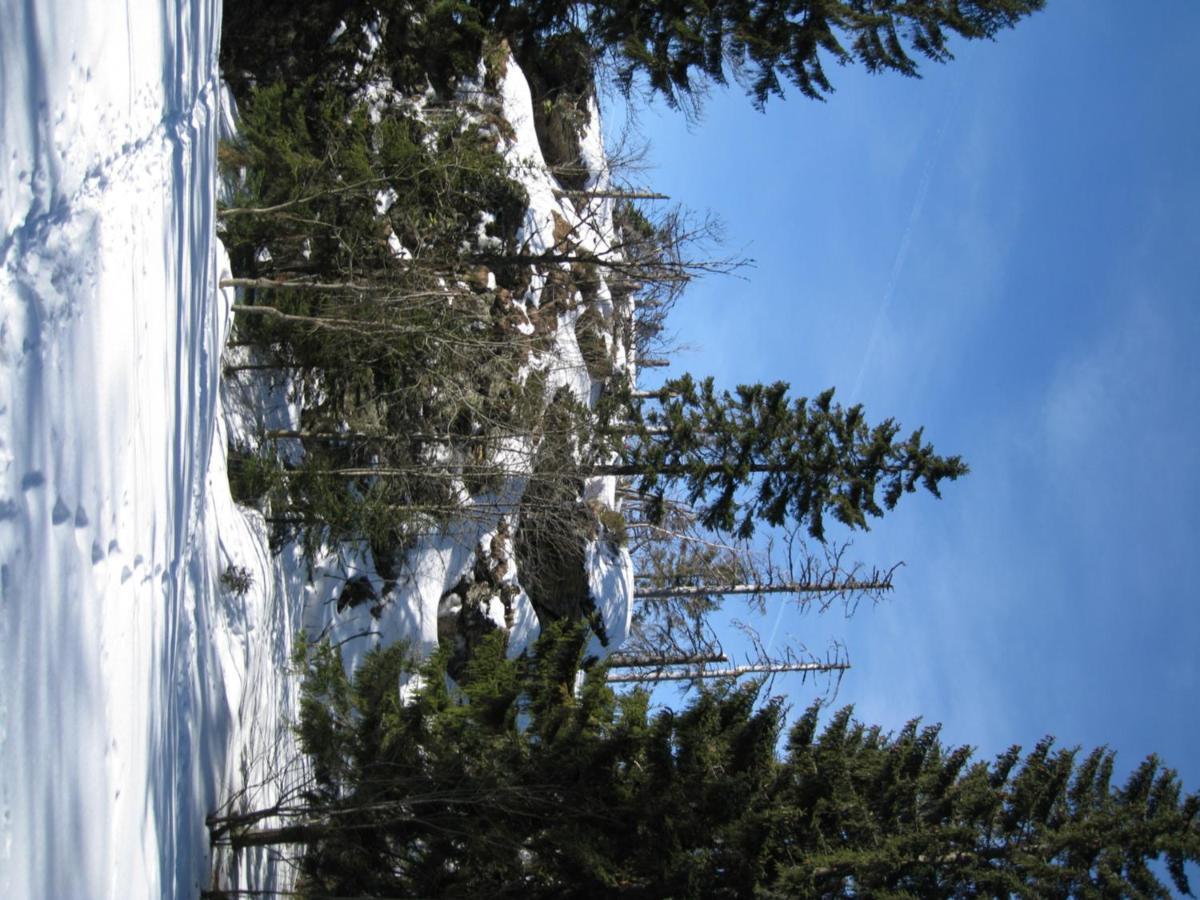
(456, 359)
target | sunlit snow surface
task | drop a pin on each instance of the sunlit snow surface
(136, 694)
(119, 660)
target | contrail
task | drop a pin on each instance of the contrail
(775, 627)
(906, 239)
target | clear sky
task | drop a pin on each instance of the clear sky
(1007, 252)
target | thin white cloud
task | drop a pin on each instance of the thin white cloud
(1112, 396)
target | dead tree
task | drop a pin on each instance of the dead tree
(770, 667)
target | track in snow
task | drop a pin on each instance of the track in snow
(115, 716)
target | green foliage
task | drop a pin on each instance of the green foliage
(421, 42)
(679, 47)
(516, 782)
(433, 42)
(756, 455)
(252, 475)
(385, 513)
(904, 815)
(237, 580)
(553, 521)
(321, 160)
(388, 344)
(614, 526)
(590, 329)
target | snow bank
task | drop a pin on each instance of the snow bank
(124, 662)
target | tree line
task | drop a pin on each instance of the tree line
(518, 783)
(370, 274)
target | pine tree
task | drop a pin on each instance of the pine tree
(754, 455)
(869, 813)
(680, 45)
(517, 783)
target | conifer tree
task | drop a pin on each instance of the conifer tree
(517, 783)
(768, 42)
(904, 815)
(680, 46)
(755, 455)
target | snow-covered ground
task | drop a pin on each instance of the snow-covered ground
(120, 657)
(137, 691)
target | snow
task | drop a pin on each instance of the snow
(610, 572)
(610, 579)
(138, 692)
(591, 149)
(122, 682)
(524, 154)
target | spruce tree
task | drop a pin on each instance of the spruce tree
(518, 783)
(754, 455)
(680, 46)
(870, 813)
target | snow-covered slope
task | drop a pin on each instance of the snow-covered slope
(137, 690)
(115, 714)
(420, 606)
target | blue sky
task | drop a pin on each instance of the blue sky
(1007, 252)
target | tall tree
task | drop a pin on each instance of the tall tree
(522, 785)
(680, 45)
(754, 455)
(905, 815)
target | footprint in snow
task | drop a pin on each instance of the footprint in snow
(34, 479)
(61, 512)
(81, 517)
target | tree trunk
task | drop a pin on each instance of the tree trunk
(645, 661)
(362, 327)
(770, 668)
(615, 195)
(629, 470)
(652, 395)
(259, 367)
(830, 587)
(231, 211)
(299, 833)
(274, 284)
(284, 433)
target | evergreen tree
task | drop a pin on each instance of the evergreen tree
(768, 42)
(905, 815)
(680, 45)
(754, 455)
(516, 783)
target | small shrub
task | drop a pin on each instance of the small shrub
(613, 524)
(237, 580)
(252, 476)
